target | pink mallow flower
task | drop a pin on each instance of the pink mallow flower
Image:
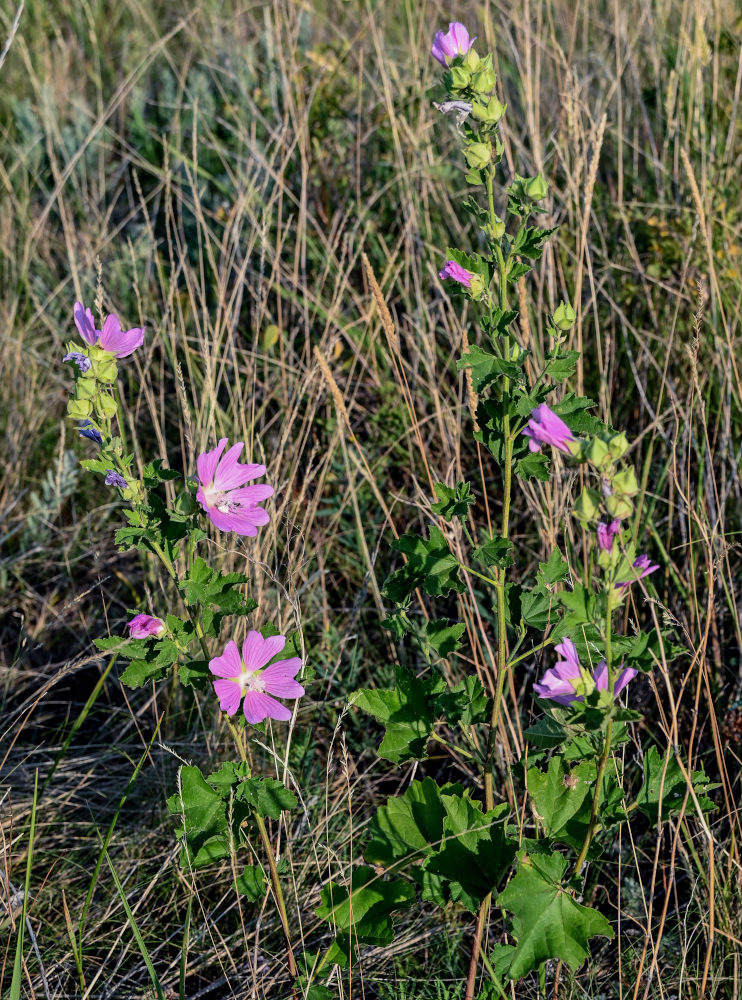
(248, 677)
(561, 681)
(222, 493)
(457, 273)
(644, 566)
(545, 427)
(143, 626)
(120, 343)
(449, 44)
(606, 534)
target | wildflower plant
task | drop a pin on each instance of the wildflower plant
(220, 813)
(517, 860)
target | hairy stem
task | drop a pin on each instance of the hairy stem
(502, 652)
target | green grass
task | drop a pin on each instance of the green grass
(228, 164)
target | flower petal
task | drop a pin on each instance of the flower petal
(257, 651)
(85, 323)
(624, 677)
(207, 463)
(120, 342)
(279, 678)
(228, 694)
(243, 521)
(261, 706)
(229, 663)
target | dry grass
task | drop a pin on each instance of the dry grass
(229, 165)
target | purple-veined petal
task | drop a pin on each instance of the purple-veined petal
(228, 694)
(229, 663)
(208, 461)
(258, 707)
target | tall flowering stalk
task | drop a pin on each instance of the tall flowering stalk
(457, 848)
(223, 810)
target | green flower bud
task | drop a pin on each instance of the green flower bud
(535, 188)
(476, 286)
(564, 316)
(587, 506)
(577, 447)
(618, 446)
(495, 231)
(85, 388)
(618, 506)
(104, 369)
(471, 60)
(483, 81)
(105, 406)
(597, 453)
(185, 504)
(490, 113)
(460, 78)
(478, 155)
(624, 482)
(79, 409)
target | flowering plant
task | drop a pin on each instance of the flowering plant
(472, 846)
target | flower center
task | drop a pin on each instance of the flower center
(250, 680)
(220, 500)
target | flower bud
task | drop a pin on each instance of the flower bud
(483, 81)
(624, 482)
(105, 406)
(471, 60)
(185, 504)
(85, 388)
(478, 155)
(460, 78)
(536, 188)
(496, 230)
(564, 316)
(490, 113)
(105, 369)
(618, 506)
(618, 446)
(587, 506)
(597, 453)
(476, 286)
(79, 409)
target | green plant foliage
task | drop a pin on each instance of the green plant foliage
(362, 915)
(217, 593)
(431, 565)
(205, 829)
(474, 855)
(560, 796)
(547, 922)
(444, 636)
(664, 787)
(407, 711)
(409, 826)
(251, 883)
(453, 501)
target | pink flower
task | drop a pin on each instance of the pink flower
(454, 42)
(222, 493)
(248, 677)
(606, 533)
(645, 567)
(120, 343)
(560, 682)
(545, 427)
(458, 273)
(143, 626)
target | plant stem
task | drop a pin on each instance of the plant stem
(273, 869)
(606, 748)
(502, 653)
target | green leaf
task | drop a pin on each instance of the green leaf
(475, 853)
(670, 792)
(487, 368)
(529, 241)
(229, 774)
(407, 712)
(195, 674)
(444, 636)
(268, 796)
(211, 589)
(561, 365)
(409, 826)
(546, 733)
(558, 796)
(251, 883)
(547, 922)
(205, 831)
(466, 703)
(363, 915)
(430, 565)
(495, 552)
(554, 570)
(453, 501)
(534, 465)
